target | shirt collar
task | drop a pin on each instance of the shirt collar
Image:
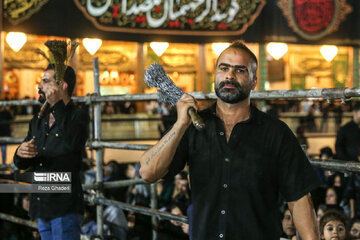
(254, 114)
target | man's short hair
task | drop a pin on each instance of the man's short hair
(69, 77)
(240, 45)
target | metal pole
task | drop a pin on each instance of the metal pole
(262, 66)
(154, 205)
(137, 209)
(114, 184)
(356, 67)
(10, 218)
(99, 151)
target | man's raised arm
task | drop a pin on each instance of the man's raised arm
(155, 161)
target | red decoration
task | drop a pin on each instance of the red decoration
(137, 19)
(190, 21)
(314, 16)
(157, 8)
(222, 26)
(115, 12)
(177, 23)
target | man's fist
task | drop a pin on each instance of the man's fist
(27, 149)
(185, 102)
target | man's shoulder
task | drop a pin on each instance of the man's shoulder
(268, 120)
(348, 126)
(81, 114)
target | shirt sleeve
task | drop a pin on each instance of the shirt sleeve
(24, 163)
(179, 161)
(296, 176)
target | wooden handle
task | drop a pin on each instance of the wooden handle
(196, 119)
(43, 109)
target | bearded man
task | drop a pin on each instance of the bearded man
(240, 164)
(54, 143)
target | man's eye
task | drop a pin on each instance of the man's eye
(330, 228)
(354, 231)
(240, 70)
(340, 229)
(224, 69)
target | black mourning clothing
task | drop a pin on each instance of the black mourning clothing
(235, 185)
(59, 150)
(347, 144)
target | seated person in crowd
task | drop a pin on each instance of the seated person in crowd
(333, 225)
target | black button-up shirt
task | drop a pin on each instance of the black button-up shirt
(347, 144)
(59, 150)
(235, 185)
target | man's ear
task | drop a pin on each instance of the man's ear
(64, 86)
(254, 83)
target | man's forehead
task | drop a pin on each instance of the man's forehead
(49, 73)
(233, 54)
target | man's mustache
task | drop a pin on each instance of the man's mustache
(41, 92)
(235, 84)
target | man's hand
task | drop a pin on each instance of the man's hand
(27, 149)
(53, 93)
(185, 102)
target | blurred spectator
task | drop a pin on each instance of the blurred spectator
(333, 223)
(109, 108)
(352, 192)
(338, 112)
(325, 154)
(28, 110)
(5, 130)
(139, 225)
(310, 120)
(320, 212)
(355, 229)
(168, 118)
(88, 226)
(271, 109)
(173, 230)
(288, 225)
(127, 107)
(348, 138)
(325, 116)
(300, 131)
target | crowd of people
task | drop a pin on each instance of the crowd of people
(223, 178)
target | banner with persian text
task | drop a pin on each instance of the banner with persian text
(293, 21)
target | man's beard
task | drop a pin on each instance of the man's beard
(42, 97)
(232, 95)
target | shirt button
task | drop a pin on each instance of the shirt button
(225, 185)
(38, 199)
(227, 160)
(43, 148)
(47, 134)
(40, 164)
(221, 235)
(57, 135)
(221, 133)
(222, 212)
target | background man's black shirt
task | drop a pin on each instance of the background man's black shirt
(347, 144)
(235, 186)
(59, 150)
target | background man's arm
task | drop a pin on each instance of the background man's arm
(304, 218)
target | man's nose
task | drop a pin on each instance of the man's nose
(230, 74)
